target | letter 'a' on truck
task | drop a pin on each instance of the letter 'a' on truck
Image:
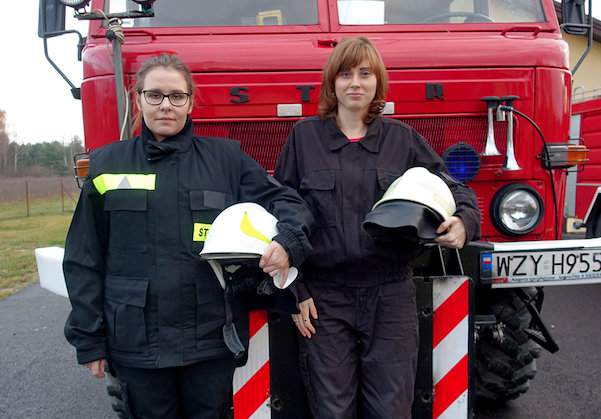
(486, 82)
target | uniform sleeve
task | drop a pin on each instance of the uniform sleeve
(286, 168)
(286, 172)
(294, 217)
(465, 198)
(83, 266)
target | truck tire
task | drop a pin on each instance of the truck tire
(505, 355)
(116, 395)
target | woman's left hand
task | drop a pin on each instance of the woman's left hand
(274, 260)
(454, 233)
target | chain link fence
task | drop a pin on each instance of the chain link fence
(30, 196)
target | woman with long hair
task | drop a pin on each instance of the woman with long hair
(358, 318)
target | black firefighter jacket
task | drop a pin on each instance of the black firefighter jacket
(139, 292)
(342, 180)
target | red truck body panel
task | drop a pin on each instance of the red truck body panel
(271, 63)
(589, 179)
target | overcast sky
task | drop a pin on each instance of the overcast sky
(38, 102)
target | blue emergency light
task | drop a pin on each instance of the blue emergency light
(463, 162)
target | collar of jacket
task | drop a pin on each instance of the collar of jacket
(180, 142)
(371, 141)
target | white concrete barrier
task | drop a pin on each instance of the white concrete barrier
(50, 269)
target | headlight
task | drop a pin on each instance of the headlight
(517, 209)
(76, 4)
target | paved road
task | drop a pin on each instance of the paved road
(39, 377)
(568, 384)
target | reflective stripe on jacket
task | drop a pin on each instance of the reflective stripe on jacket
(139, 291)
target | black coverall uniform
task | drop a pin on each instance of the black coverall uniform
(141, 296)
(364, 353)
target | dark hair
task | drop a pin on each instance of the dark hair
(165, 61)
(349, 53)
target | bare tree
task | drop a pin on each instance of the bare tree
(4, 140)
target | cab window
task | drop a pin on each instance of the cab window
(381, 12)
(169, 13)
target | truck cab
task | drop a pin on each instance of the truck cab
(257, 67)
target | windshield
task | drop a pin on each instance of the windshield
(224, 12)
(381, 12)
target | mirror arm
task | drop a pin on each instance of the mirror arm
(75, 91)
(589, 43)
(590, 31)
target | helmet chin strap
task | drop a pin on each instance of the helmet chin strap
(230, 335)
(218, 272)
(281, 284)
(227, 270)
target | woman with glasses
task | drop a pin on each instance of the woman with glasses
(141, 297)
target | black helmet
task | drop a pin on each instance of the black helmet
(412, 208)
(402, 220)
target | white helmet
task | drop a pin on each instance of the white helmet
(241, 231)
(421, 186)
(415, 205)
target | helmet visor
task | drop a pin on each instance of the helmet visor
(400, 220)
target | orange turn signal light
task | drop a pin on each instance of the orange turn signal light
(81, 167)
(564, 155)
(577, 154)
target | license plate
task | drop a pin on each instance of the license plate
(506, 269)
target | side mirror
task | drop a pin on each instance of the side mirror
(51, 18)
(573, 15)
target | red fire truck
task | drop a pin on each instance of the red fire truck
(486, 82)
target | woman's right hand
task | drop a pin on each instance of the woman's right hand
(303, 320)
(96, 367)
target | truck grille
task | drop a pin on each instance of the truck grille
(263, 140)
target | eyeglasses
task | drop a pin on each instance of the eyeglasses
(153, 97)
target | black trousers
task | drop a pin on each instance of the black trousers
(362, 360)
(197, 391)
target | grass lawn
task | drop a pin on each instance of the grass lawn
(42, 206)
(18, 238)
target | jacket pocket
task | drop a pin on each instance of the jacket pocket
(125, 302)
(132, 261)
(210, 312)
(386, 178)
(205, 206)
(318, 189)
(128, 210)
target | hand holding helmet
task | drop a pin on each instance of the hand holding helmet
(454, 233)
(245, 231)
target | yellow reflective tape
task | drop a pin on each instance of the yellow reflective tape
(112, 181)
(99, 184)
(200, 232)
(247, 228)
